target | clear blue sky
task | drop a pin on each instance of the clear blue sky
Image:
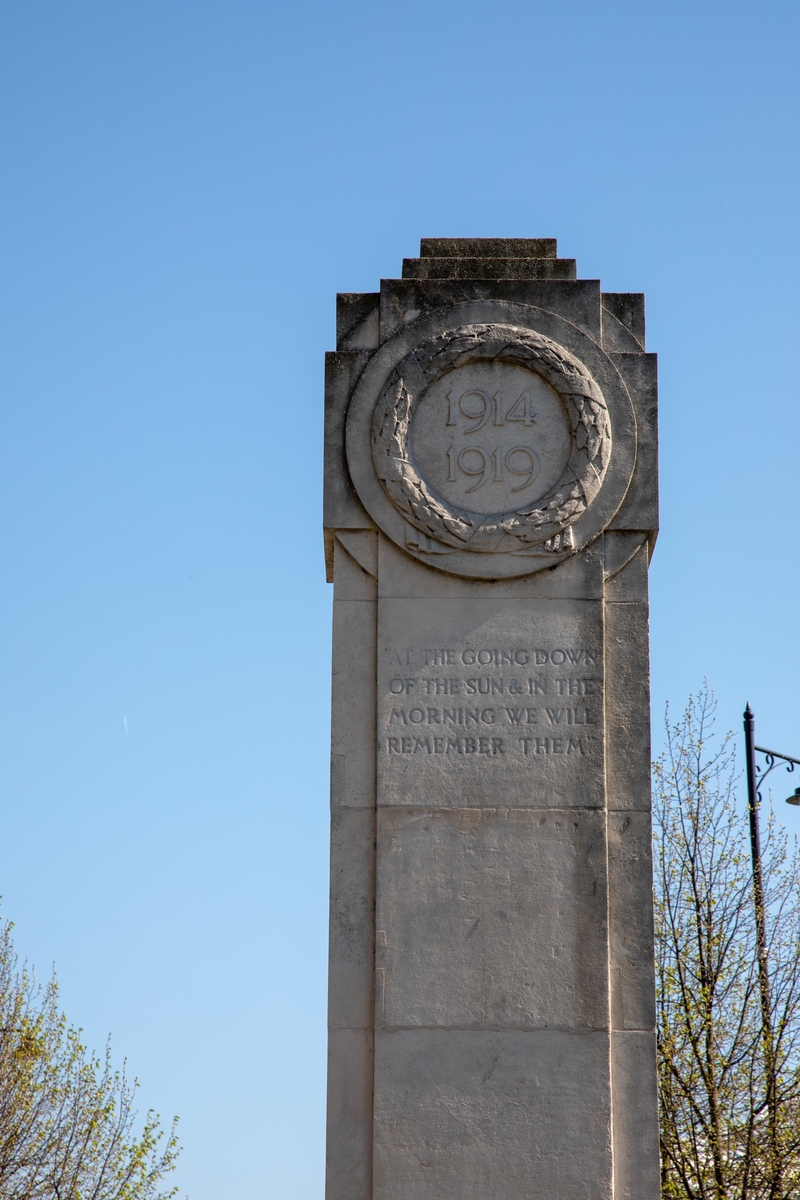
(185, 187)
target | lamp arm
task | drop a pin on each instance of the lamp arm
(771, 757)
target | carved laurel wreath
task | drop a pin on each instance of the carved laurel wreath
(526, 527)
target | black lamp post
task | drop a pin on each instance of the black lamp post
(755, 778)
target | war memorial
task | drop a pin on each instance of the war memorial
(490, 512)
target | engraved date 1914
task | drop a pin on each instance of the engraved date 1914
(475, 410)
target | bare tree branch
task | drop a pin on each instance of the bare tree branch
(730, 1106)
(67, 1118)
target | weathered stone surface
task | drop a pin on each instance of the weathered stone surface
(341, 507)
(639, 509)
(488, 248)
(636, 1161)
(357, 322)
(627, 704)
(628, 309)
(578, 301)
(401, 577)
(490, 510)
(623, 323)
(493, 268)
(492, 918)
(352, 918)
(631, 920)
(619, 550)
(348, 1173)
(355, 565)
(353, 688)
(478, 1115)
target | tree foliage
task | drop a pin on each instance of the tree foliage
(67, 1122)
(729, 1083)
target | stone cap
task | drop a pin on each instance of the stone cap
(489, 258)
(488, 248)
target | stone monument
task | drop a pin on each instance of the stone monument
(490, 511)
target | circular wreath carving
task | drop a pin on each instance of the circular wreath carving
(523, 528)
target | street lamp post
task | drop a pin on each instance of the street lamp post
(755, 778)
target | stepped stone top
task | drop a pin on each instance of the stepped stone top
(489, 258)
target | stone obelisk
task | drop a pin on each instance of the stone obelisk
(490, 512)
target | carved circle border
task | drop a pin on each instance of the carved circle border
(522, 528)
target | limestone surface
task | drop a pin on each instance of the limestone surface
(490, 513)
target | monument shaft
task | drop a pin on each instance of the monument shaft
(490, 510)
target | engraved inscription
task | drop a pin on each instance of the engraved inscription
(441, 745)
(545, 745)
(490, 436)
(493, 439)
(566, 712)
(490, 703)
